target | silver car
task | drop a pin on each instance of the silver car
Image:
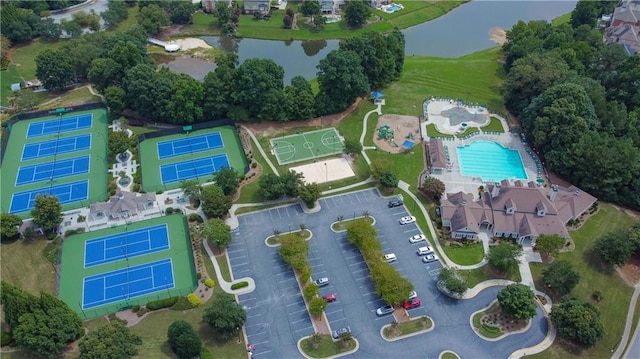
(340, 332)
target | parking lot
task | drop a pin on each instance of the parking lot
(276, 314)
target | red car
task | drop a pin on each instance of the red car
(412, 303)
(330, 298)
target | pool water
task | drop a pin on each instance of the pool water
(490, 161)
(394, 8)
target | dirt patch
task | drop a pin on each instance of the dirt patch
(403, 128)
(630, 272)
(498, 35)
(503, 321)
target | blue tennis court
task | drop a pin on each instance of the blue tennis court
(66, 193)
(131, 282)
(52, 170)
(57, 146)
(187, 145)
(126, 245)
(55, 126)
(205, 166)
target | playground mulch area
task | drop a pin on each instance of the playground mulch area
(402, 126)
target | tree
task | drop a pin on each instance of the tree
(53, 68)
(378, 54)
(294, 251)
(579, 321)
(217, 232)
(352, 146)
(433, 187)
(115, 13)
(310, 8)
(115, 98)
(191, 188)
(389, 180)
(225, 315)
(227, 179)
(185, 104)
(104, 73)
(119, 142)
(390, 285)
(15, 303)
(9, 225)
(356, 13)
(71, 28)
(49, 29)
(219, 85)
(149, 91)
(299, 99)
(214, 203)
(181, 12)
(549, 244)
(504, 256)
(47, 212)
(223, 12)
(451, 279)
(309, 193)
(110, 341)
(518, 301)
(615, 247)
(271, 186)
(341, 80)
(153, 18)
(183, 340)
(585, 13)
(291, 181)
(287, 21)
(381, 165)
(317, 305)
(560, 277)
(258, 88)
(48, 328)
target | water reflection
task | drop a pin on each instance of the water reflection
(313, 47)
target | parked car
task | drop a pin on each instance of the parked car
(391, 257)
(384, 310)
(417, 238)
(321, 282)
(429, 258)
(413, 294)
(424, 250)
(340, 332)
(395, 203)
(412, 303)
(407, 219)
(330, 298)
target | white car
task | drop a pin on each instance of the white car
(391, 257)
(418, 238)
(407, 219)
(341, 332)
(424, 250)
(321, 282)
(429, 258)
(413, 294)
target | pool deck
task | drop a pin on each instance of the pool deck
(453, 178)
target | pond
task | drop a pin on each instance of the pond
(460, 32)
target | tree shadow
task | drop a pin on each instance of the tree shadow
(594, 260)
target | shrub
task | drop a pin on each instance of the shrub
(305, 274)
(198, 275)
(169, 210)
(135, 308)
(194, 217)
(310, 291)
(81, 218)
(135, 187)
(239, 285)
(254, 164)
(6, 338)
(162, 303)
(159, 191)
(597, 296)
(209, 283)
(142, 312)
(194, 300)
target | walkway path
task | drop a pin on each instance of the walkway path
(264, 155)
(224, 285)
(378, 110)
(634, 344)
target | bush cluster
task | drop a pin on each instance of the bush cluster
(161, 303)
(210, 283)
(194, 300)
(239, 285)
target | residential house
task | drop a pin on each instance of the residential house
(253, 6)
(123, 206)
(518, 211)
(627, 13)
(626, 35)
(209, 5)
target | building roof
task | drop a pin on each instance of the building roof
(626, 35)
(123, 201)
(437, 155)
(628, 12)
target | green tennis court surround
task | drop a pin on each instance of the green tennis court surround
(124, 281)
(168, 160)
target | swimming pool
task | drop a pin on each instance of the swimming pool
(393, 8)
(490, 161)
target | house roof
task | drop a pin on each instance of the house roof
(627, 12)
(123, 201)
(436, 154)
(626, 35)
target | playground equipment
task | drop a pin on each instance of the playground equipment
(411, 136)
(393, 142)
(385, 132)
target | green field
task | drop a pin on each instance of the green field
(307, 145)
(150, 162)
(73, 270)
(97, 175)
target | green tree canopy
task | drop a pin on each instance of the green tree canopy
(560, 277)
(15, 303)
(356, 13)
(153, 18)
(104, 73)
(294, 250)
(341, 80)
(389, 180)
(214, 203)
(451, 279)
(578, 321)
(191, 188)
(217, 232)
(53, 68)
(47, 212)
(504, 256)
(381, 165)
(9, 225)
(110, 341)
(119, 142)
(115, 98)
(310, 8)
(352, 146)
(549, 243)
(309, 193)
(317, 306)
(615, 247)
(225, 315)
(392, 287)
(299, 99)
(183, 340)
(433, 187)
(518, 300)
(185, 104)
(227, 179)
(258, 88)
(271, 186)
(115, 13)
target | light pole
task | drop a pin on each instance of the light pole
(326, 171)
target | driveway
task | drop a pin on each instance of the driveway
(276, 313)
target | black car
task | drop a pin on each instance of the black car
(395, 203)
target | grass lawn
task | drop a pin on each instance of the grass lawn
(343, 224)
(494, 125)
(595, 275)
(468, 131)
(432, 131)
(562, 19)
(325, 347)
(74, 97)
(224, 268)
(24, 265)
(417, 12)
(484, 329)
(408, 327)
(275, 240)
(466, 254)
(475, 276)
(11, 76)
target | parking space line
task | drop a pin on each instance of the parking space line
(295, 303)
(298, 311)
(305, 328)
(260, 353)
(298, 321)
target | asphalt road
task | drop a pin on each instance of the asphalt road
(276, 314)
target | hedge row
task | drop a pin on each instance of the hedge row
(161, 303)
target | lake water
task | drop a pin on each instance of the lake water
(462, 31)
